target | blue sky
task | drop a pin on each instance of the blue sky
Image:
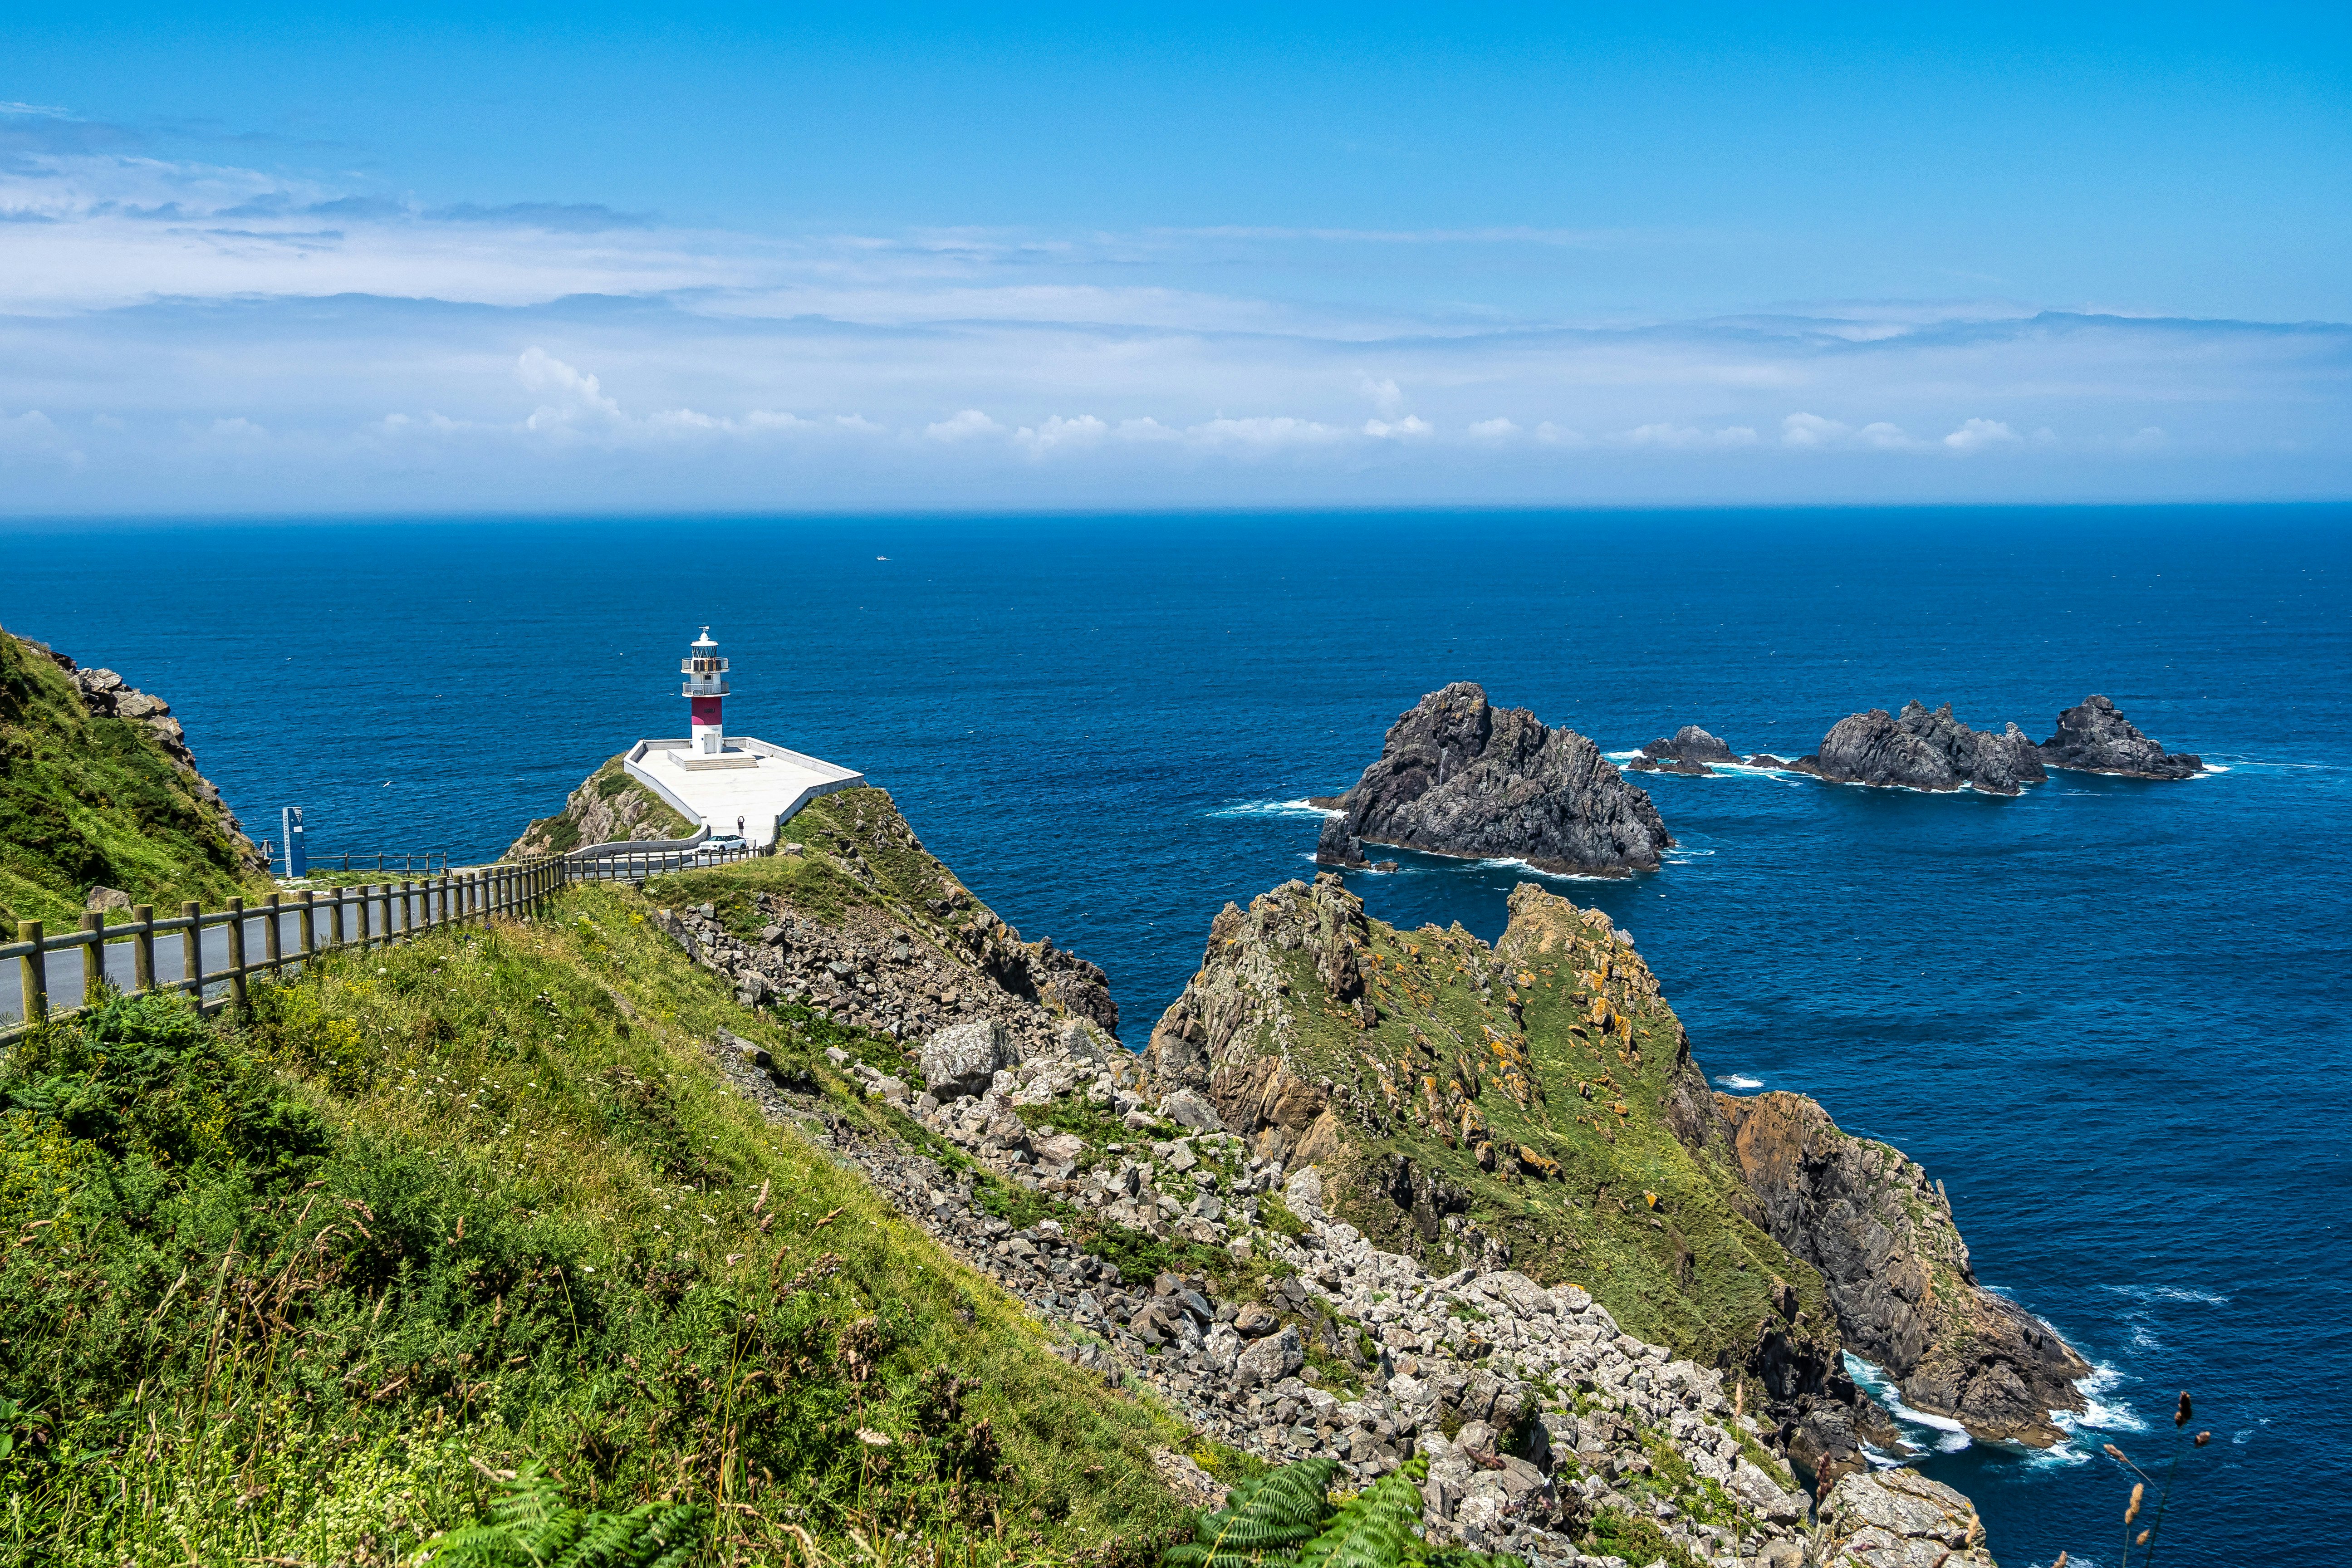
(452, 259)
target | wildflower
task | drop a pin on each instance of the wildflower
(2202, 1439)
(2181, 1416)
(2133, 1511)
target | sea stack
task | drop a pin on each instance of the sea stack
(2094, 737)
(1919, 749)
(1687, 750)
(1459, 776)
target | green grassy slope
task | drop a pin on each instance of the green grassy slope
(286, 1291)
(91, 800)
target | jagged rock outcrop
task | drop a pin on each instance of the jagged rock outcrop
(1688, 750)
(1921, 750)
(1883, 1237)
(1440, 1084)
(1458, 776)
(609, 807)
(1343, 851)
(893, 943)
(2094, 737)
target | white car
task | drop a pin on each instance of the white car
(725, 841)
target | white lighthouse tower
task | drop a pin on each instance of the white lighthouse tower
(706, 683)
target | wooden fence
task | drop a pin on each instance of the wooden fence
(292, 928)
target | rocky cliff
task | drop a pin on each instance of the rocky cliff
(101, 802)
(1921, 750)
(609, 807)
(1882, 1236)
(2094, 737)
(1458, 776)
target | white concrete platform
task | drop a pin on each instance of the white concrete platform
(762, 784)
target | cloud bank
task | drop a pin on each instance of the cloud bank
(186, 337)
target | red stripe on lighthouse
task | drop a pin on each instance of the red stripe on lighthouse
(705, 711)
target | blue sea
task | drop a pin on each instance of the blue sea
(2110, 1016)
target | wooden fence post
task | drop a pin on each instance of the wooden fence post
(236, 953)
(359, 908)
(273, 953)
(36, 972)
(192, 948)
(93, 958)
(142, 947)
(310, 925)
(335, 920)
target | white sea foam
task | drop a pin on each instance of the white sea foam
(1273, 808)
(1940, 1433)
(1739, 1080)
(2099, 1414)
(2168, 1293)
(1522, 867)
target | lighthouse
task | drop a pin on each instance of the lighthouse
(706, 683)
(727, 784)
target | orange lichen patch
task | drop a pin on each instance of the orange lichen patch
(1538, 1163)
(1525, 979)
(1621, 1108)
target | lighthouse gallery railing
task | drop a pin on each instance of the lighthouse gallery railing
(275, 934)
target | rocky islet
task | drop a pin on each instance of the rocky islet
(2094, 737)
(1459, 776)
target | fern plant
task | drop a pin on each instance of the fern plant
(531, 1526)
(1285, 1518)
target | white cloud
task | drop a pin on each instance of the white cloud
(1493, 430)
(578, 398)
(1086, 430)
(1383, 394)
(1264, 432)
(1684, 437)
(1811, 431)
(963, 427)
(1409, 427)
(1976, 434)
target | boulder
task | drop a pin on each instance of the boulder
(2094, 737)
(1882, 1519)
(1458, 776)
(964, 1058)
(1270, 1360)
(1187, 1109)
(99, 900)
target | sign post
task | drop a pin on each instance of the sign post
(298, 858)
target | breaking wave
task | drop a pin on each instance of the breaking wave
(1272, 808)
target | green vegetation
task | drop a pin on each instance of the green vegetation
(1615, 1533)
(89, 800)
(532, 1527)
(304, 1287)
(1287, 1516)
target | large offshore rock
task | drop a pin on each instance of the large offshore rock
(1459, 776)
(1883, 1237)
(2094, 737)
(1923, 749)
